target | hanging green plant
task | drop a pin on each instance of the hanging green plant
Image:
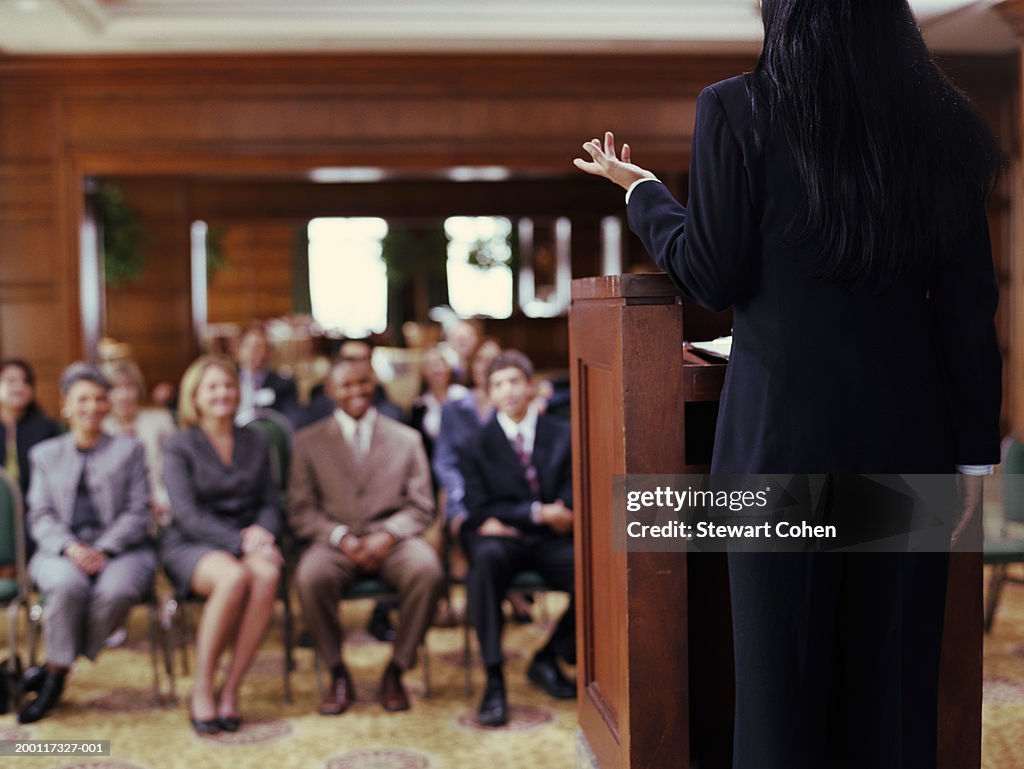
(123, 257)
(408, 251)
(499, 250)
(215, 258)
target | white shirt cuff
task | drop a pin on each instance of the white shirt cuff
(338, 534)
(636, 184)
(974, 469)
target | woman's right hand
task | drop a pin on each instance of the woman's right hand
(85, 557)
(604, 162)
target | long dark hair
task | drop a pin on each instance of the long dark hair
(894, 158)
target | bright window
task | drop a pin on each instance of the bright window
(479, 265)
(348, 281)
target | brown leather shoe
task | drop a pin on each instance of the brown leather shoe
(392, 693)
(339, 695)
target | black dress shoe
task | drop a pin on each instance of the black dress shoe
(49, 694)
(379, 625)
(493, 707)
(229, 723)
(544, 672)
(340, 694)
(393, 696)
(205, 728)
(32, 680)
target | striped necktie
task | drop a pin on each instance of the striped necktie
(527, 463)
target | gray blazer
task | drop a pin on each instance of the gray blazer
(117, 481)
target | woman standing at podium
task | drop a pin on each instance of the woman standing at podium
(837, 202)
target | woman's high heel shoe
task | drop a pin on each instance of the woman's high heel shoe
(205, 728)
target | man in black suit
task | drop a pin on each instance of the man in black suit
(260, 387)
(518, 474)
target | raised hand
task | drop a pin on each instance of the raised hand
(604, 162)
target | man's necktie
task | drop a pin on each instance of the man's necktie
(527, 463)
(357, 443)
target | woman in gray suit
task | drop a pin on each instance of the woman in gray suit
(221, 541)
(88, 511)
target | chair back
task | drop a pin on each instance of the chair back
(12, 538)
(279, 433)
(1013, 481)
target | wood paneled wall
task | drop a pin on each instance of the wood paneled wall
(153, 313)
(255, 281)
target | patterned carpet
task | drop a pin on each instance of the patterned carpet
(1003, 699)
(112, 700)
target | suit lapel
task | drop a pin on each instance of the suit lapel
(72, 461)
(100, 480)
(376, 454)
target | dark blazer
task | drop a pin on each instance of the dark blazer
(496, 484)
(212, 502)
(33, 427)
(823, 378)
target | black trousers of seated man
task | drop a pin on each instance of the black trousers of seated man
(494, 563)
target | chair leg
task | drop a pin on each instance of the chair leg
(467, 654)
(289, 649)
(427, 690)
(154, 657)
(995, 587)
(167, 630)
(14, 659)
(35, 618)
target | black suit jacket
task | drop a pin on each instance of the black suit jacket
(823, 378)
(496, 484)
(33, 427)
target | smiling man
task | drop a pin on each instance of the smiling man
(518, 472)
(360, 493)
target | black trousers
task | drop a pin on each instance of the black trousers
(493, 562)
(837, 659)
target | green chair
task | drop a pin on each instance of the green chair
(1000, 554)
(14, 592)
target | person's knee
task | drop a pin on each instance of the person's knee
(67, 586)
(231, 577)
(311, 577)
(264, 575)
(487, 553)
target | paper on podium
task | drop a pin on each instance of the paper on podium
(720, 347)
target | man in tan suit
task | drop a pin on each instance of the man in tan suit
(360, 494)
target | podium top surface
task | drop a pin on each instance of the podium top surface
(655, 287)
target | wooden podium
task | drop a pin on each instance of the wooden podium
(654, 635)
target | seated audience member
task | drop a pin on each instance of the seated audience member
(152, 426)
(360, 493)
(460, 419)
(22, 423)
(260, 387)
(221, 541)
(462, 337)
(88, 510)
(518, 475)
(438, 389)
(322, 405)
